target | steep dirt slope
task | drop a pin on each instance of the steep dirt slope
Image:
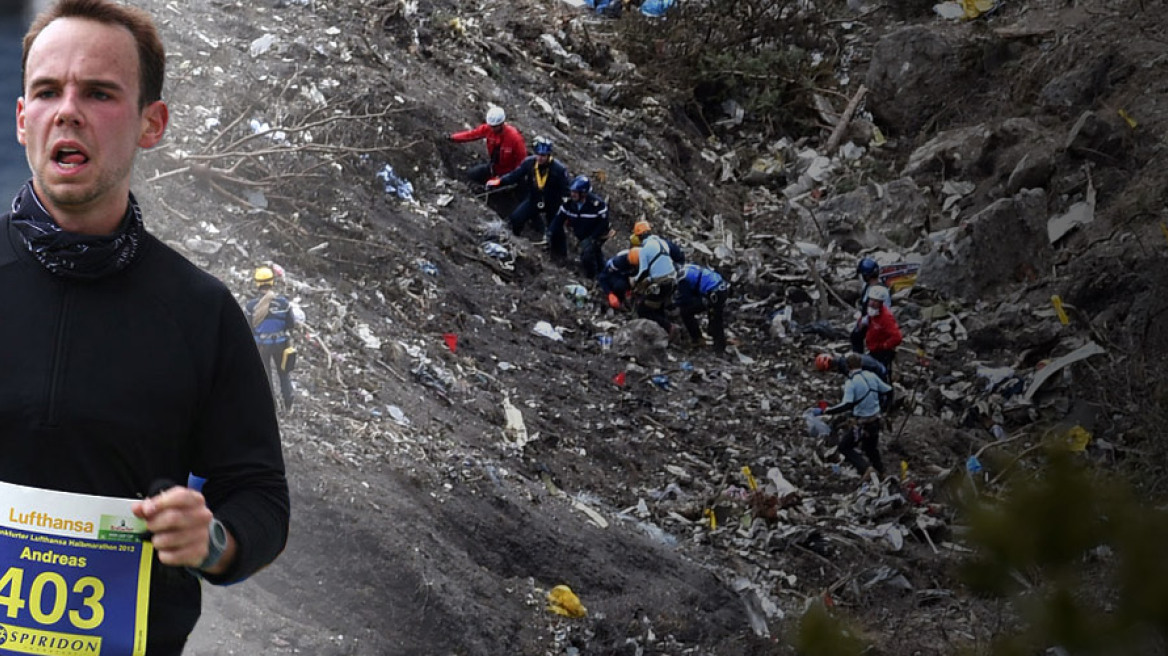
(419, 527)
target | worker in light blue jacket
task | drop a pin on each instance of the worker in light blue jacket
(862, 391)
(654, 282)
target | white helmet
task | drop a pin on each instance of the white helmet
(878, 293)
(495, 116)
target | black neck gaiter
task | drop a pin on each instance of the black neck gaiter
(70, 255)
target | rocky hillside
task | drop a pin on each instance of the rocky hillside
(451, 464)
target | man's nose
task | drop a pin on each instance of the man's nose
(68, 112)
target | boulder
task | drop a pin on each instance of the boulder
(911, 76)
(1001, 244)
(876, 215)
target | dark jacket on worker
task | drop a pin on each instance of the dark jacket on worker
(133, 369)
(546, 186)
(588, 219)
(867, 363)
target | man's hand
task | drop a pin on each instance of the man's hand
(493, 182)
(180, 521)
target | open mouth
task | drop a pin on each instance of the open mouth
(69, 158)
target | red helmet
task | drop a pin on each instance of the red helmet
(823, 362)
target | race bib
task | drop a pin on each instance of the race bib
(74, 574)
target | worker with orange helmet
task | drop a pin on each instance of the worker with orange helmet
(614, 279)
(830, 362)
(654, 281)
(642, 230)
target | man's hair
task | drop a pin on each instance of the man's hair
(151, 54)
(854, 361)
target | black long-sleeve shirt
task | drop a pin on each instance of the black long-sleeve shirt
(146, 374)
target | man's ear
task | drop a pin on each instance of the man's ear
(20, 121)
(155, 117)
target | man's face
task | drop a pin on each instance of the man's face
(80, 124)
(497, 129)
(577, 196)
(542, 159)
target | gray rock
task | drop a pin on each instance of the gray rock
(910, 78)
(1003, 243)
(1096, 138)
(1033, 171)
(874, 216)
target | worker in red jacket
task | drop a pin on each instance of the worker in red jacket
(506, 148)
(883, 334)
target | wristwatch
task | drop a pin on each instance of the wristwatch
(216, 544)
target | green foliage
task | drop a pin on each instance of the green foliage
(1081, 557)
(823, 634)
(755, 52)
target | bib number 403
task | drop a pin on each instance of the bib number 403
(48, 597)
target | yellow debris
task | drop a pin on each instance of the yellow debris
(1057, 302)
(709, 514)
(753, 484)
(1131, 122)
(562, 601)
(1077, 439)
(975, 8)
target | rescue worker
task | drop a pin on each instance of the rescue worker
(702, 289)
(546, 182)
(506, 148)
(654, 281)
(272, 320)
(643, 229)
(869, 272)
(829, 362)
(861, 397)
(587, 215)
(614, 279)
(883, 334)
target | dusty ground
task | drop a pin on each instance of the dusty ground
(418, 529)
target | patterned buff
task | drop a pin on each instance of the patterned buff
(70, 255)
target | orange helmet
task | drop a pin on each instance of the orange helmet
(823, 362)
(640, 229)
(635, 256)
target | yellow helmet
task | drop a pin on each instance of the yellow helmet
(264, 276)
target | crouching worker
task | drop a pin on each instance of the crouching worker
(272, 321)
(614, 279)
(862, 391)
(654, 281)
(700, 289)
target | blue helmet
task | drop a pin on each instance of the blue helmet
(543, 146)
(867, 268)
(581, 184)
